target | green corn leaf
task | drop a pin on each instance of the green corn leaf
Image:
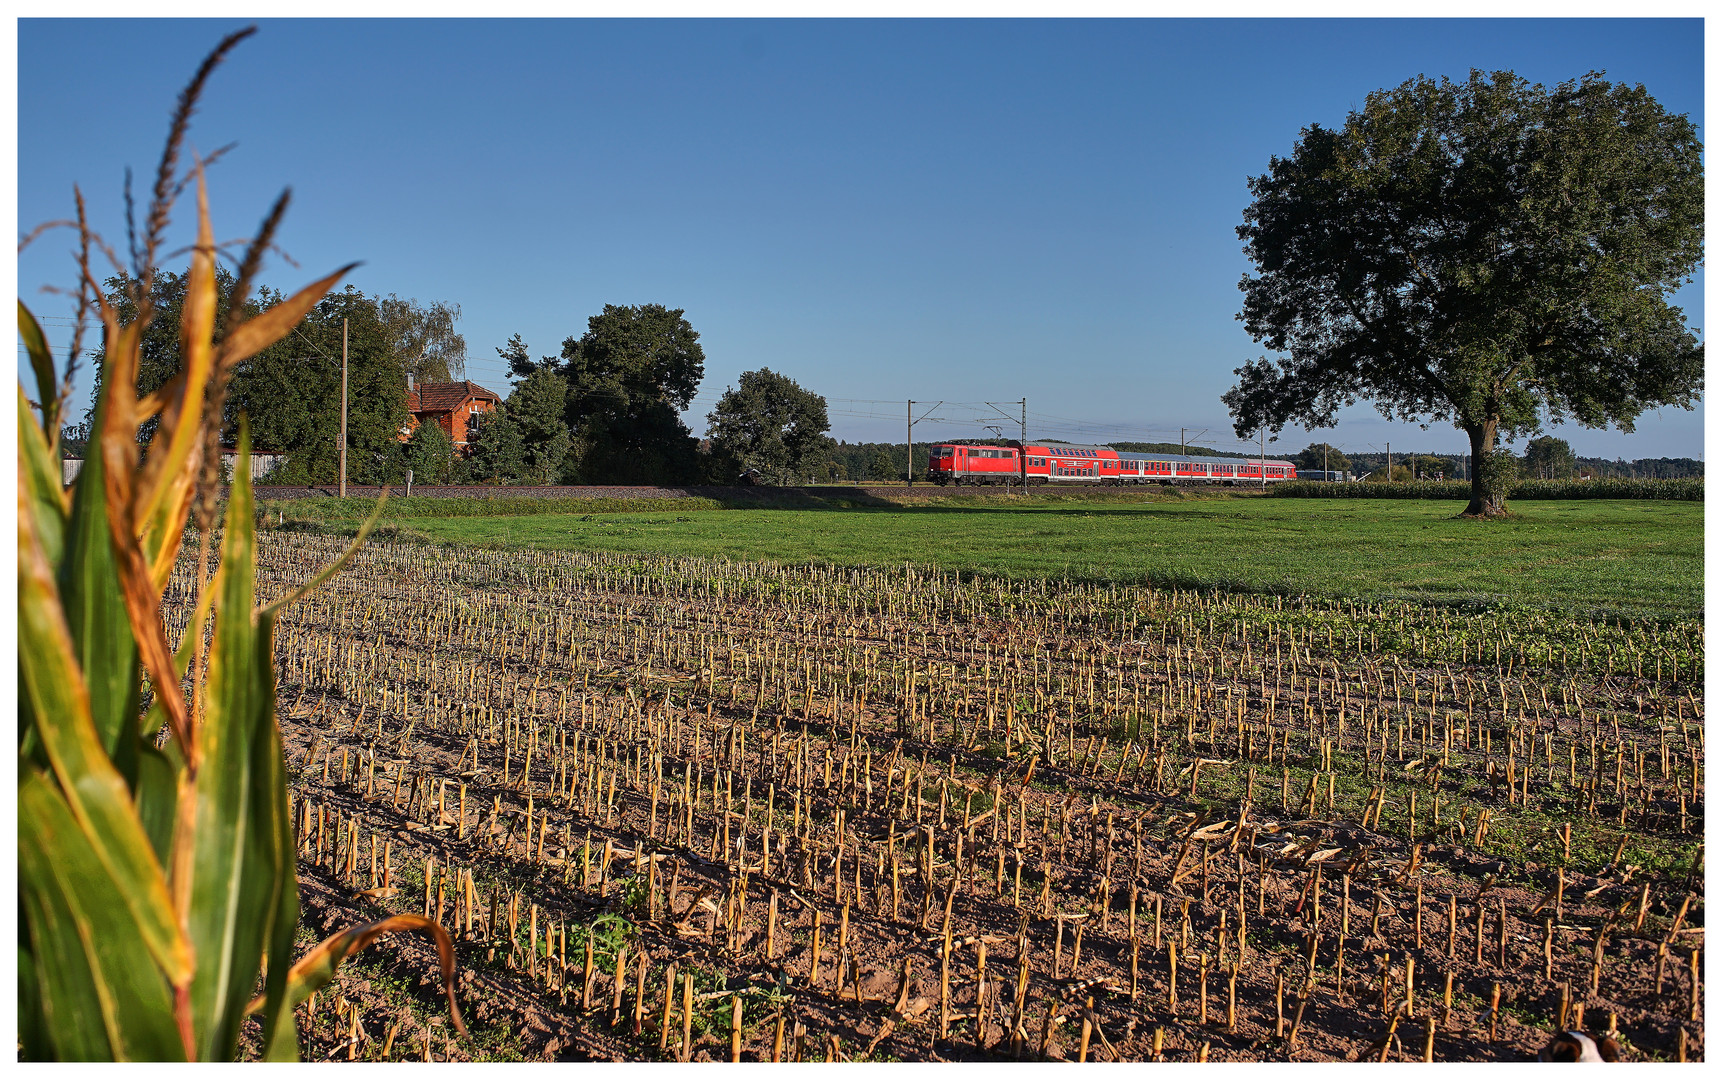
(157, 788)
(156, 718)
(34, 1042)
(101, 996)
(94, 790)
(47, 389)
(280, 1034)
(40, 474)
(96, 616)
(240, 854)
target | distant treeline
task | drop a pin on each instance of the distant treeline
(1660, 468)
(1172, 449)
(1683, 490)
(1453, 466)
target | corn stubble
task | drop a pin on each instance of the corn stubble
(682, 809)
(156, 866)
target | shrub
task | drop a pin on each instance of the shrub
(430, 454)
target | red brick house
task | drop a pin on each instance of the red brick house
(451, 405)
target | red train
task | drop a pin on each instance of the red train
(959, 463)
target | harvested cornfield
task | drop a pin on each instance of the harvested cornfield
(683, 809)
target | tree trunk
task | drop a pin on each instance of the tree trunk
(1483, 504)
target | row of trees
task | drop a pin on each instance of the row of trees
(1546, 457)
(606, 409)
(291, 391)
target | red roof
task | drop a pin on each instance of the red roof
(445, 397)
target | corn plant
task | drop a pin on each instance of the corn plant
(156, 853)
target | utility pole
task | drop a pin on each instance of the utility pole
(1390, 463)
(343, 408)
(1183, 443)
(1263, 463)
(1324, 473)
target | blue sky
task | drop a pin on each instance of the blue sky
(939, 210)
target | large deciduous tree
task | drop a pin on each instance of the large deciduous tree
(423, 338)
(1488, 253)
(629, 376)
(1319, 455)
(292, 389)
(770, 423)
(159, 341)
(292, 392)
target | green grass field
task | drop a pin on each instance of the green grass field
(1634, 559)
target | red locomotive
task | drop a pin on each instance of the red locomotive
(960, 463)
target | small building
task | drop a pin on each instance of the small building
(450, 405)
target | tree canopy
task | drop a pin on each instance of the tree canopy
(159, 343)
(520, 362)
(1490, 253)
(770, 423)
(495, 453)
(292, 392)
(423, 337)
(1549, 458)
(430, 454)
(536, 408)
(629, 376)
(1319, 455)
(880, 466)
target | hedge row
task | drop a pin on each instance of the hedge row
(1686, 490)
